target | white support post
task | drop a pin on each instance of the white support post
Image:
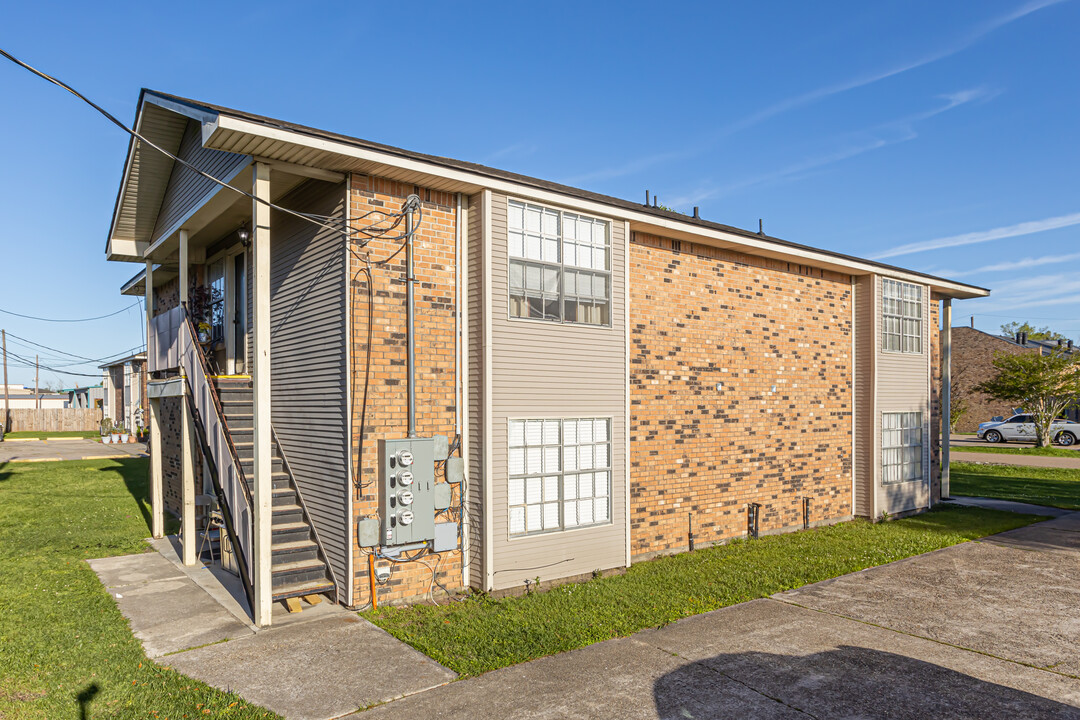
(946, 392)
(157, 491)
(187, 484)
(184, 266)
(262, 485)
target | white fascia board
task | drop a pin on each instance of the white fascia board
(202, 116)
(125, 250)
(645, 220)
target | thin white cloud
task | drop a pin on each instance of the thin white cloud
(521, 148)
(974, 35)
(972, 238)
(970, 38)
(1009, 266)
(890, 133)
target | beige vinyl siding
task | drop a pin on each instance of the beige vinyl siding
(308, 359)
(187, 189)
(865, 361)
(551, 370)
(474, 354)
(902, 386)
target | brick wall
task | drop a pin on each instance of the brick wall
(170, 454)
(700, 316)
(435, 267)
(972, 362)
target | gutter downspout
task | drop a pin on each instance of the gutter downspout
(946, 394)
(412, 203)
(458, 380)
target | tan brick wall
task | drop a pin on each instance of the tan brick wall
(972, 362)
(699, 316)
(435, 267)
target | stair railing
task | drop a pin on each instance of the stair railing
(303, 508)
(218, 448)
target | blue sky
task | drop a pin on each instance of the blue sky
(942, 137)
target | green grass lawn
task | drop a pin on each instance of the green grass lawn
(1056, 487)
(61, 634)
(480, 634)
(24, 435)
(1021, 450)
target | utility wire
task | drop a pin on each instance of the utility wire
(344, 230)
(63, 352)
(31, 364)
(57, 320)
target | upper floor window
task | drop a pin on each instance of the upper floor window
(560, 265)
(901, 316)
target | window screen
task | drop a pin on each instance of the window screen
(901, 447)
(560, 265)
(901, 317)
(559, 474)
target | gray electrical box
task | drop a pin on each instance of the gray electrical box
(407, 490)
(443, 496)
(446, 536)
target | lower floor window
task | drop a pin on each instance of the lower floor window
(559, 474)
(901, 447)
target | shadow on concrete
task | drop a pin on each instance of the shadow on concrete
(846, 682)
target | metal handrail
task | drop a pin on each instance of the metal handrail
(204, 365)
(303, 507)
(222, 499)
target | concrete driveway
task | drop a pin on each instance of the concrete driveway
(985, 629)
(65, 449)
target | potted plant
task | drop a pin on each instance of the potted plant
(106, 430)
(204, 332)
(118, 433)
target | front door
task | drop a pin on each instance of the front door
(236, 315)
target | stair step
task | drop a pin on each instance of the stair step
(316, 587)
(294, 565)
(294, 545)
(289, 526)
(239, 420)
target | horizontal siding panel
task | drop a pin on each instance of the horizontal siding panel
(308, 358)
(554, 370)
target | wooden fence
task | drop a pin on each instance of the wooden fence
(51, 419)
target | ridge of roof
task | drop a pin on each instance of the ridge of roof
(530, 181)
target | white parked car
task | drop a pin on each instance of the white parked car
(1022, 427)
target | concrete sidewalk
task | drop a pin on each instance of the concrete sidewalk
(322, 663)
(983, 629)
(1049, 461)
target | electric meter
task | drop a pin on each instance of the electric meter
(405, 479)
(404, 458)
(405, 497)
(405, 517)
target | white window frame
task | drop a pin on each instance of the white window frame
(903, 457)
(550, 257)
(547, 486)
(902, 309)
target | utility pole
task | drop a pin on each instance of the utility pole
(7, 412)
(37, 371)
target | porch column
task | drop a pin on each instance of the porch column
(153, 407)
(946, 392)
(184, 266)
(262, 485)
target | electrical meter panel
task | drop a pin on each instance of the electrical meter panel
(407, 490)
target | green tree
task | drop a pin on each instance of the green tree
(1033, 333)
(1044, 385)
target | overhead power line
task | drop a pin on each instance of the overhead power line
(371, 231)
(78, 357)
(77, 320)
(31, 363)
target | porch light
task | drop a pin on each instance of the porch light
(245, 235)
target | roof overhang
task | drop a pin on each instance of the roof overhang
(136, 286)
(309, 151)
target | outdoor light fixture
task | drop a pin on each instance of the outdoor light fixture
(245, 236)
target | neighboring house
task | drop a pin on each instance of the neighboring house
(20, 397)
(973, 353)
(86, 397)
(124, 391)
(613, 373)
